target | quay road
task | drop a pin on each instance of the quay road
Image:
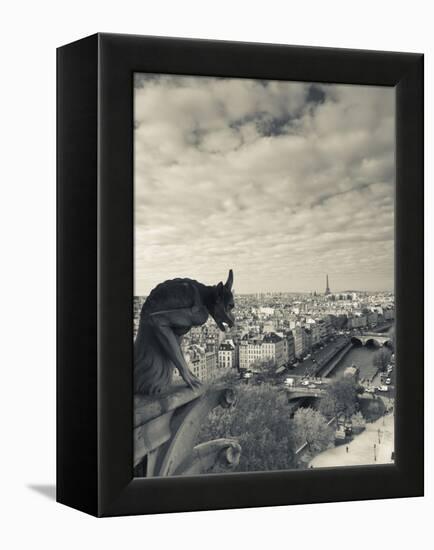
(332, 359)
(339, 354)
(321, 357)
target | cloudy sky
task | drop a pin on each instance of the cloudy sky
(281, 181)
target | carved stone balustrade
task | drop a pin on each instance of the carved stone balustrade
(166, 427)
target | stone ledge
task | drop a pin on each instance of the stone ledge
(148, 407)
(166, 428)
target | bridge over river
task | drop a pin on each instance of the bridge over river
(373, 338)
(351, 353)
(300, 392)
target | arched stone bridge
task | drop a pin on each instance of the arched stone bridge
(372, 338)
(299, 392)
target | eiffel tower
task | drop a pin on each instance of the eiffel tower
(327, 290)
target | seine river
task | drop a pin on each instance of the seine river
(362, 357)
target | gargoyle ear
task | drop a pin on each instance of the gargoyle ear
(230, 280)
(220, 290)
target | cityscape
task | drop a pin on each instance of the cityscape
(298, 344)
(291, 187)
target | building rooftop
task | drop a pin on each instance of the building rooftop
(271, 338)
(226, 346)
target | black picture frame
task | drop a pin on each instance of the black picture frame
(95, 274)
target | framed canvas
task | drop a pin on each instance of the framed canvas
(240, 275)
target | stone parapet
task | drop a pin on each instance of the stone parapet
(166, 428)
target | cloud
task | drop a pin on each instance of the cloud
(281, 181)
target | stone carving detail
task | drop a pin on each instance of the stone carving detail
(166, 429)
(168, 417)
(169, 312)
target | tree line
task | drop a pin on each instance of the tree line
(261, 422)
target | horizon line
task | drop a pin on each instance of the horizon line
(299, 292)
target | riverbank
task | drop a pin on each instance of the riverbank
(320, 358)
(330, 366)
(373, 446)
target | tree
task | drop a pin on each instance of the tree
(372, 409)
(310, 426)
(263, 365)
(358, 421)
(382, 358)
(340, 397)
(260, 422)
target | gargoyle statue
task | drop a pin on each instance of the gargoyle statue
(169, 312)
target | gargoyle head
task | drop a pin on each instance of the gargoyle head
(221, 309)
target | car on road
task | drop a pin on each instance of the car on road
(388, 380)
(382, 388)
(305, 383)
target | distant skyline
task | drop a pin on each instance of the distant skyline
(297, 292)
(283, 182)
